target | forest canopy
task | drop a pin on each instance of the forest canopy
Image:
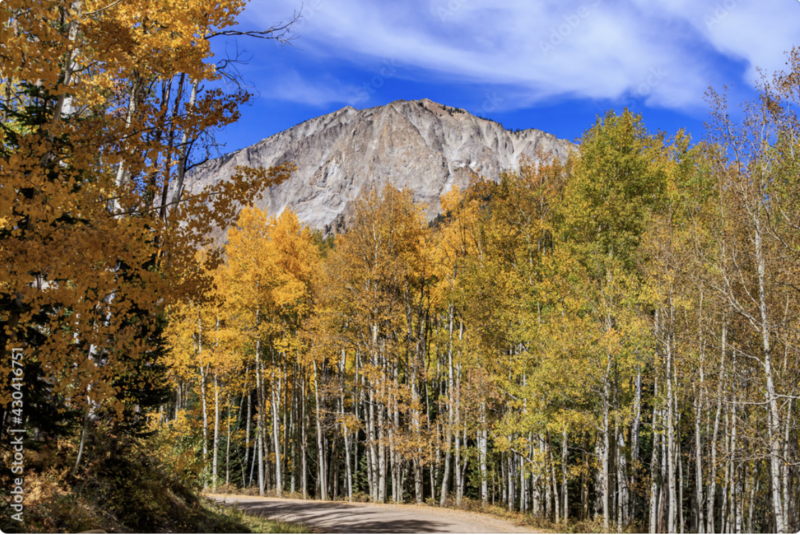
(609, 339)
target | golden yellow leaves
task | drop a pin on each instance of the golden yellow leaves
(88, 261)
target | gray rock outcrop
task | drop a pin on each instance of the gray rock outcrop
(418, 145)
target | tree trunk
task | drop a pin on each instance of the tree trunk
(482, 447)
(259, 419)
(450, 415)
(673, 499)
(565, 478)
(712, 480)
(203, 373)
(606, 448)
(304, 438)
(247, 427)
(260, 455)
(228, 445)
(216, 434)
(320, 451)
(654, 465)
(774, 420)
(276, 430)
(84, 430)
(348, 471)
(635, 427)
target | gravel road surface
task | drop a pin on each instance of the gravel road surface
(339, 517)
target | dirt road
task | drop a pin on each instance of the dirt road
(338, 517)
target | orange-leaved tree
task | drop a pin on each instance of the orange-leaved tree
(101, 106)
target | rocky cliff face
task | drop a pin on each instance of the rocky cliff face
(418, 145)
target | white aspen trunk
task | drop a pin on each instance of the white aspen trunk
(276, 431)
(536, 506)
(635, 428)
(726, 478)
(556, 501)
(183, 150)
(712, 480)
(511, 494)
(392, 468)
(482, 446)
(739, 496)
(417, 428)
(348, 471)
(382, 461)
(457, 460)
(699, 406)
(122, 173)
(216, 433)
(787, 454)
(359, 393)
(622, 481)
(304, 439)
(523, 485)
(292, 408)
(734, 490)
(654, 465)
(228, 445)
(774, 420)
(680, 488)
(564, 472)
(320, 456)
(618, 477)
(83, 441)
(698, 444)
(450, 415)
(259, 418)
(606, 448)
(397, 461)
(678, 458)
(205, 424)
(283, 393)
(546, 474)
(265, 429)
(372, 447)
(259, 453)
(63, 107)
(202, 390)
(247, 429)
(662, 491)
(673, 500)
(434, 474)
(178, 401)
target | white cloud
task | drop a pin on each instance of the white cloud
(607, 49)
(290, 86)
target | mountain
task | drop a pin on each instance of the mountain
(418, 145)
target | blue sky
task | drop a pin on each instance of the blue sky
(551, 65)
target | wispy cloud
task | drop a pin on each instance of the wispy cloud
(320, 91)
(534, 51)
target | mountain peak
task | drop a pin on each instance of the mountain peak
(419, 145)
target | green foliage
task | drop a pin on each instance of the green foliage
(618, 182)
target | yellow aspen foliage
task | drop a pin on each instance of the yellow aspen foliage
(100, 101)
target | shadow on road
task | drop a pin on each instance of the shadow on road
(344, 518)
